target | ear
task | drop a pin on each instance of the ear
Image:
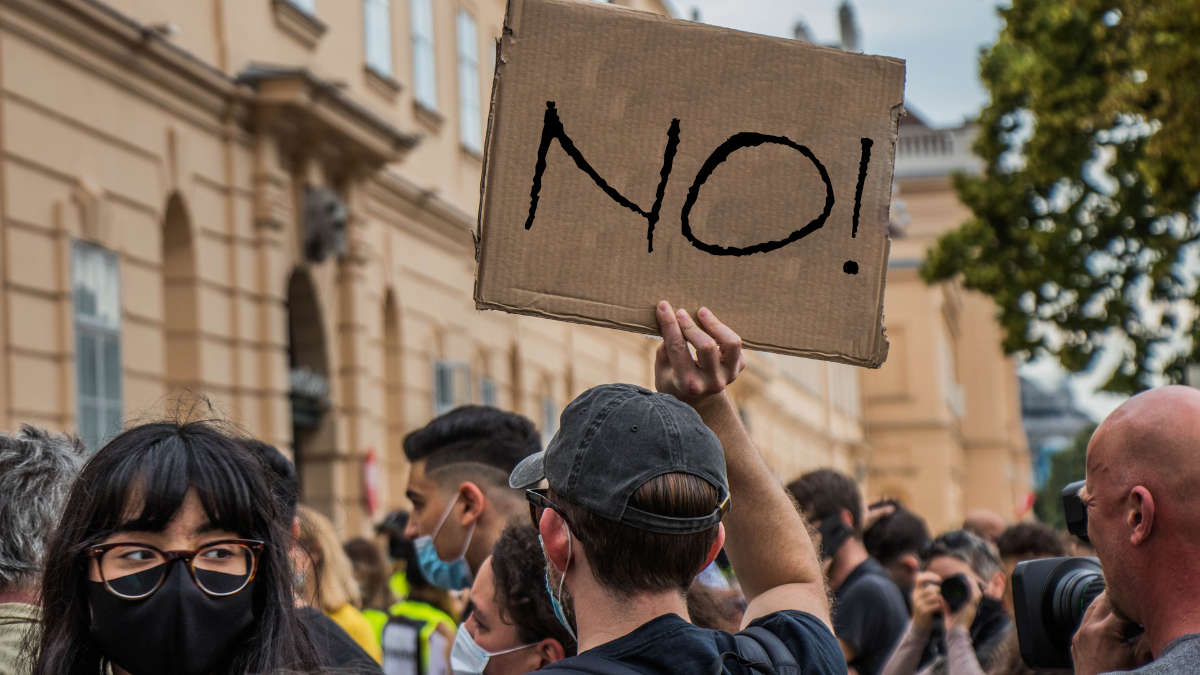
(549, 651)
(848, 519)
(715, 549)
(1140, 515)
(556, 540)
(910, 563)
(472, 500)
(996, 585)
(295, 527)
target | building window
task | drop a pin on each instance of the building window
(96, 291)
(451, 385)
(377, 33)
(424, 65)
(309, 6)
(549, 419)
(469, 125)
(487, 391)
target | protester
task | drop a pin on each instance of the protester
(420, 629)
(170, 556)
(1025, 541)
(371, 574)
(512, 628)
(36, 472)
(869, 610)
(457, 486)
(1143, 509)
(638, 486)
(974, 631)
(335, 649)
(895, 539)
(328, 581)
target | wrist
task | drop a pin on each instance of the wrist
(713, 405)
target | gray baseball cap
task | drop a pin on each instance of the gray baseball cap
(615, 437)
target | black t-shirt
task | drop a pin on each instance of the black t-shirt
(869, 615)
(334, 647)
(668, 644)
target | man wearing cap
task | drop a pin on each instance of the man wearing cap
(638, 485)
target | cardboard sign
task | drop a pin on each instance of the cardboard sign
(632, 158)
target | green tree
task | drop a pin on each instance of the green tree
(1066, 466)
(1086, 214)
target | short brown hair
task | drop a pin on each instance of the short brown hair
(627, 560)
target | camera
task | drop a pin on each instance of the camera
(955, 591)
(1075, 511)
(1049, 598)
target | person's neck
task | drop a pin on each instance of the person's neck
(1173, 610)
(601, 616)
(848, 557)
(20, 594)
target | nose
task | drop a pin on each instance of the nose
(410, 529)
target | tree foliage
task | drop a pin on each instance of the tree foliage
(1066, 466)
(1086, 215)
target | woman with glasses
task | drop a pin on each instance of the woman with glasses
(170, 557)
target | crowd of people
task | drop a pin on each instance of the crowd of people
(649, 536)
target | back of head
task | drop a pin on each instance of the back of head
(37, 469)
(968, 547)
(1027, 541)
(370, 570)
(824, 493)
(896, 534)
(332, 585)
(519, 567)
(629, 560)
(281, 474)
(139, 482)
(640, 481)
(985, 523)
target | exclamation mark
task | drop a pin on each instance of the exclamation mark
(851, 267)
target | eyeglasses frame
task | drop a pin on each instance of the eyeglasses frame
(256, 547)
(539, 502)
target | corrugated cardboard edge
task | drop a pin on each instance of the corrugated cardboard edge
(512, 23)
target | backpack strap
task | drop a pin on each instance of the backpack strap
(762, 650)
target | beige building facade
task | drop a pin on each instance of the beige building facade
(271, 203)
(943, 415)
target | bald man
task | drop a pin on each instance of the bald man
(1143, 505)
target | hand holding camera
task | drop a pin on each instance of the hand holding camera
(953, 600)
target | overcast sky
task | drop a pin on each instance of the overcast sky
(940, 40)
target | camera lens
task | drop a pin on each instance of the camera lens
(955, 591)
(1072, 594)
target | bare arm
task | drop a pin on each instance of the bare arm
(766, 538)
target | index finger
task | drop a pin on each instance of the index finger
(676, 347)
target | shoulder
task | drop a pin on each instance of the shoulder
(870, 589)
(807, 638)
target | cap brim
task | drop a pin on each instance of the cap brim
(529, 472)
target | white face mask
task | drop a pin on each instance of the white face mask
(468, 658)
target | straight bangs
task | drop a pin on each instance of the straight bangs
(144, 486)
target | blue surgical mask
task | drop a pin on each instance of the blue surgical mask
(554, 602)
(468, 658)
(453, 575)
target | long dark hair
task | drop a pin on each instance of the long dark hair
(157, 464)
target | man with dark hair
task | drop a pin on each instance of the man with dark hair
(512, 629)
(870, 613)
(37, 469)
(458, 488)
(1025, 541)
(895, 540)
(639, 483)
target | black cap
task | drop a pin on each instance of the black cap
(615, 437)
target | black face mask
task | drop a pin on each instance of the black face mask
(991, 620)
(180, 629)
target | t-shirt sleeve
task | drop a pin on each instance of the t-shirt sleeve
(810, 640)
(860, 616)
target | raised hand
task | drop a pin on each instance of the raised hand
(718, 360)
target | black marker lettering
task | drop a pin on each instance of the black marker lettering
(736, 142)
(850, 266)
(552, 129)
